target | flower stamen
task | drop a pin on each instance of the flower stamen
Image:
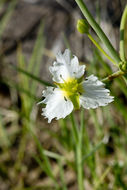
(71, 89)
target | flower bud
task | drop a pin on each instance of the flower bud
(123, 66)
(83, 26)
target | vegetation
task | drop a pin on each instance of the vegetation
(35, 155)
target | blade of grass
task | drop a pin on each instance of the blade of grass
(63, 184)
(45, 159)
(53, 155)
(21, 150)
(92, 152)
(37, 53)
(23, 81)
(6, 17)
(30, 75)
(101, 180)
(35, 61)
(4, 141)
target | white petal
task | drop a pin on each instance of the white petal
(56, 105)
(65, 57)
(94, 93)
(77, 70)
(65, 67)
(59, 72)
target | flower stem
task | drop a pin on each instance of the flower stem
(74, 128)
(79, 154)
(79, 167)
(98, 30)
(78, 136)
(122, 28)
(100, 48)
(114, 75)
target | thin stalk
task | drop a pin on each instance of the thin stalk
(78, 135)
(79, 168)
(100, 48)
(79, 154)
(98, 30)
(74, 128)
(114, 75)
(122, 40)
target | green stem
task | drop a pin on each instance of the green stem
(74, 128)
(78, 136)
(98, 30)
(79, 154)
(79, 168)
(122, 28)
(112, 76)
(99, 47)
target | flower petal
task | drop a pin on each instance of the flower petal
(77, 71)
(65, 67)
(59, 72)
(94, 93)
(56, 105)
(65, 57)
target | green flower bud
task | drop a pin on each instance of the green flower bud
(83, 26)
(123, 66)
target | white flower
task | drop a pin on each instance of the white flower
(71, 92)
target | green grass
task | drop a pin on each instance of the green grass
(39, 156)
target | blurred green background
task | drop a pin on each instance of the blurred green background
(35, 155)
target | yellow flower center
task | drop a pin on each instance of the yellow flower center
(72, 89)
